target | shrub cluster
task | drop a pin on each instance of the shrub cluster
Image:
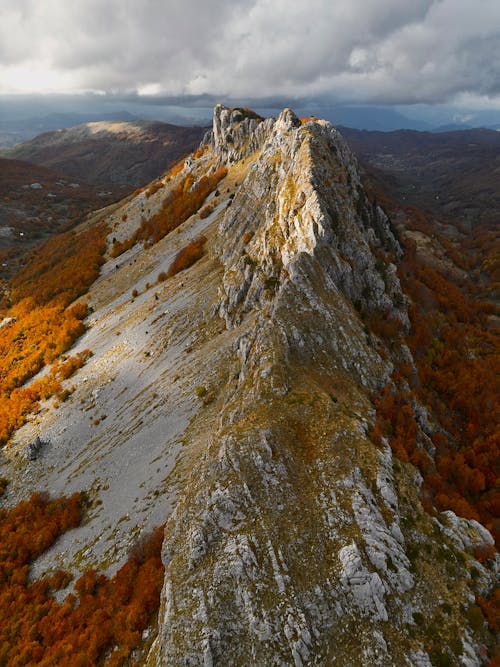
(182, 201)
(44, 323)
(187, 256)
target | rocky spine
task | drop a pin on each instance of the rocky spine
(297, 541)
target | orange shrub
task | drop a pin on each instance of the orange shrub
(186, 257)
(65, 369)
(176, 169)
(153, 188)
(201, 151)
(206, 211)
(119, 247)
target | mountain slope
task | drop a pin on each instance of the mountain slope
(119, 152)
(35, 202)
(296, 541)
(233, 401)
(454, 174)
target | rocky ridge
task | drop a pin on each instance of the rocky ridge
(233, 401)
(297, 541)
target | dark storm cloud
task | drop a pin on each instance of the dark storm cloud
(351, 50)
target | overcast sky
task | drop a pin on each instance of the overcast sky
(374, 51)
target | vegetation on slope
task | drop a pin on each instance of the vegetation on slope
(42, 323)
(182, 201)
(456, 353)
(457, 358)
(187, 256)
(101, 624)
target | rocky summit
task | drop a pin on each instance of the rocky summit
(233, 401)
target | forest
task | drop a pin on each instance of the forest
(101, 621)
(456, 353)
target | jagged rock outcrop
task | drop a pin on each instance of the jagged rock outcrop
(297, 541)
(303, 196)
(237, 133)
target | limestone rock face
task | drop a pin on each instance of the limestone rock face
(237, 133)
(296, 540)
(302, 196)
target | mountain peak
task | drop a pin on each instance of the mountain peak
(234, 132)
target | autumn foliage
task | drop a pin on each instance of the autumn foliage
(100, 624)
(457, 358)
(200, 152)
(182, 201)
(62, 269)
(186, 257)
(153, 188)
(44, 321)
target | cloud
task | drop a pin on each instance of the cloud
(383, 51)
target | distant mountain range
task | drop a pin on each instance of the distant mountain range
(24, 118)
(14, 131)
(118, 152)
(454, 173)
(373, 118)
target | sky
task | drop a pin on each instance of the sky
(391, 52)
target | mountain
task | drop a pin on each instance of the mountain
(456, 172)
(452, 127)
(110, 152)
(36, 202)
(251, 359)
(446, 186)
(14, 129)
